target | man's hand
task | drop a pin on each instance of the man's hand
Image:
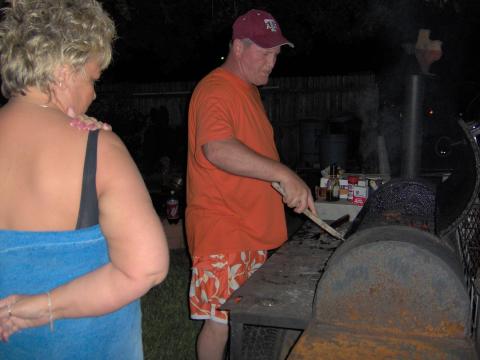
(297, 194)
(85, 122)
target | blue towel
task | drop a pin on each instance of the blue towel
(36, 262)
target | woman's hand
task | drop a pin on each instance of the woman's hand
(19, 312)
(85, 122)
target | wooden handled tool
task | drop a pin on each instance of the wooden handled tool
(312, 216)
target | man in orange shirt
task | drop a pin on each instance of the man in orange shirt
(233, 214)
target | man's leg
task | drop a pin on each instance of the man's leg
(214, 279)
(211, 341)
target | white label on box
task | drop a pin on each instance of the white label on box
(360, 191)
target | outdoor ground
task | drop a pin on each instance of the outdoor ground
(168, 332)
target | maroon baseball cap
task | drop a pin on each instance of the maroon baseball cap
(261, 28)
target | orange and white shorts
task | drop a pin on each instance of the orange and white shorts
(216, 277)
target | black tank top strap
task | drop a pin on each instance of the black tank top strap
(88, 212)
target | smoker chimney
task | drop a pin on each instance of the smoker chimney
(412, 127)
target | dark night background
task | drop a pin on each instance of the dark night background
(177, 40)
(173, 41)
(183, 39)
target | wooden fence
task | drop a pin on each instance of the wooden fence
(293, 104)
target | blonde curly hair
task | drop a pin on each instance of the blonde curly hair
(36, 36)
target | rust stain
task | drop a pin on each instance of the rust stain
(373, 291)
(349, 346)
(445, 329)
(363, 310)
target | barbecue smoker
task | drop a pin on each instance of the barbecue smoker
(402, 286)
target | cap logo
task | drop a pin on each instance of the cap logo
(270, 24)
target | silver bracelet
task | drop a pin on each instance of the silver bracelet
(50, 314)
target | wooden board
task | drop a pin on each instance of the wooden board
(281, 292)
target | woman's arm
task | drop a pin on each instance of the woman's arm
(137, 247)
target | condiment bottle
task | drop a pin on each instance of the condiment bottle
(333, 189)
(336, 185)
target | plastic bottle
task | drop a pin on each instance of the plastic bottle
(333, 188)
(336, 186)
(173, 211)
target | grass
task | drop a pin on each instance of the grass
(168, 331)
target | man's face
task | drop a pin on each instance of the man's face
(256, 63)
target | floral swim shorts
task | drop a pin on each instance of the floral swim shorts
(216, 277)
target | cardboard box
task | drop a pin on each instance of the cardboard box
(360, 191)
(362, 183)
(360, 195)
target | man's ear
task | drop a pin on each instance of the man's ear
(237, 46)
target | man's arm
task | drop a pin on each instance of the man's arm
(233, 156)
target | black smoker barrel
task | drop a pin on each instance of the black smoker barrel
(396, 288)
(391, 292)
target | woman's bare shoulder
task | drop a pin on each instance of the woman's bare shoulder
(114, 162)
(111, 145)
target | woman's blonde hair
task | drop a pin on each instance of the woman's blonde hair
(36, 36)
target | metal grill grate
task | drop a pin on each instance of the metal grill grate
(469, 233)
(469, 245)
(261, 342)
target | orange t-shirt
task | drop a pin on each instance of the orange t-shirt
(226, 212)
